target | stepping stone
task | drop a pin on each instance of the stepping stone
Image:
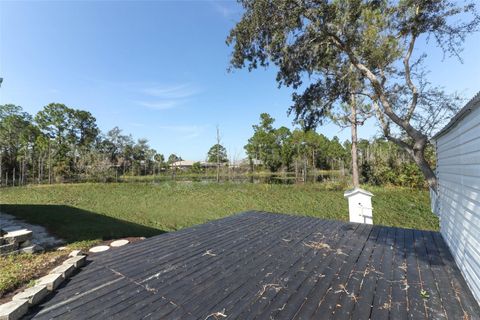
(9, 247)
(13, 310)
(26, 243)
(65, 270)
(99, 249)
(76, 253)
(18, 236)
(32, 249)
(11, 228)
(51, 281)
(77, 261)
(33, 294)
(119, 243)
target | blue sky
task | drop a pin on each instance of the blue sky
(158, 70)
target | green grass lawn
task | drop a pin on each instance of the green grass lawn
(77, 212)
(82, 214)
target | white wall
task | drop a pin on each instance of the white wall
(458, 206)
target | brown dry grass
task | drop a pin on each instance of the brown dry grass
(317, 245)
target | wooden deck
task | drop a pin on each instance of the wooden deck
(270, 266)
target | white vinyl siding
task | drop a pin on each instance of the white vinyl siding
(458, 199)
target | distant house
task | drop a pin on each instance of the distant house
(182, 164)
(255, 162)
(457, 201)
(187, 164)
(244, 163)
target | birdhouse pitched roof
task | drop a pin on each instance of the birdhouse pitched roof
(355, 191)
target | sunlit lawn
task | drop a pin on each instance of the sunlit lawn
(85, 213)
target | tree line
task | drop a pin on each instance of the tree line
(304, 151)
(62, 144)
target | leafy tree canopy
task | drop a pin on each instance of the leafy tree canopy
(17, 133)
(320, 46)
(62, 123)
(217, 150)
(173, 158)
(265, 144)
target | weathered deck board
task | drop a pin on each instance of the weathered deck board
(349, 298)
(270, 266)
(273, 290)
(362, 308)
(398, 295)
(332, 263)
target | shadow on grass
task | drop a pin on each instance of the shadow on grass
(73, 224)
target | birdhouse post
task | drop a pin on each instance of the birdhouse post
(359, 205)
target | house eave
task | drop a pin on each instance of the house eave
(473, 104)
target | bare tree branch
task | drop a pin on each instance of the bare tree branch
(413, 88)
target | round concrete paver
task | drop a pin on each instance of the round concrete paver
(99, 249)
(119, 243)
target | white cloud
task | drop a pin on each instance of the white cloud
(161, 97)
(160, 105)
(171, 92)
(154, 95)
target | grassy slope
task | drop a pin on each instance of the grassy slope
(90, 211)
(83, 212)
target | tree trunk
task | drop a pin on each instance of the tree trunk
(39, 168)
(218, 155)
(417, 152)
(20, 175)
(42, 168)
(420, 139)
(313, 166)
(353, 121)
(296, 169)
(304, 169)
(428, 173)
(49, 164)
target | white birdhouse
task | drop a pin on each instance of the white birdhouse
(359, 205)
